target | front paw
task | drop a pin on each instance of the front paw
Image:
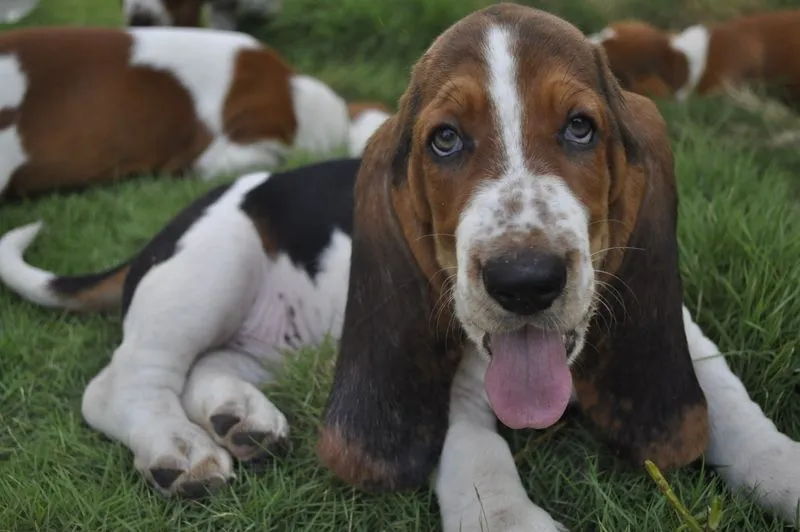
(247, 424)
(181, 460)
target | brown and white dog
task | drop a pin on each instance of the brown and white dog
(507, 244)
(703, 59)
(224, 15)
(85, 105)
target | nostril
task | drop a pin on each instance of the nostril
(525, 282)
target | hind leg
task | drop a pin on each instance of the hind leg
(223, 397)
(183, 307)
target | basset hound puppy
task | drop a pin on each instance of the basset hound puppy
(224, 14)
(507, 244)
(80, 106)
(703, 59)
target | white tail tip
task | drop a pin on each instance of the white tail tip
(28, 281)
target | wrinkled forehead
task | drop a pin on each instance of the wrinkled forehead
(536, 44)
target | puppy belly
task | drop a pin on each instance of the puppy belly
(283, 315)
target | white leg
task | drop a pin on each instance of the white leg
(183, 307)
(477, 483)
(746, 448)
(222, 396)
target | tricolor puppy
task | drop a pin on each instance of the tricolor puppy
(507, 242)
(704, 59)
(224, 15)
(80, 106)
(514, 246)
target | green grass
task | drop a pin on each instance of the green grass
(740, 246)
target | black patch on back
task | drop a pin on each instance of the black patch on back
(163, 246)
(300, 208)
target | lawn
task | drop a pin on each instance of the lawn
(740, 252)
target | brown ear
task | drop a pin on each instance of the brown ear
(386, 416)
(635, 380)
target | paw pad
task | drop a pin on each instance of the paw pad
(165, 477)
(223, 423)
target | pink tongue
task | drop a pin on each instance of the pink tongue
(528, 381)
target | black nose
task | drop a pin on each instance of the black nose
(525, 282)
(141, 19)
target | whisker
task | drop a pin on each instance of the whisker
(615, 247)
(612, 290)
(433, 235)
(621, 281)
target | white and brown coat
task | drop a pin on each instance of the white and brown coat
(762, 48)
(80, 106)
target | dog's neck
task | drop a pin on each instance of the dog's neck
(693, 43)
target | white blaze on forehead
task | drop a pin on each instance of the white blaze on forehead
(515, 205)
(501, 65)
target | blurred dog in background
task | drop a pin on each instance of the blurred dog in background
(702, 59)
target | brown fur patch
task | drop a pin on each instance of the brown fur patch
(687, 439)
(262, 225)
(349, 461)
(133, 120)
(105, 294)
(259, 102)
(681, 439)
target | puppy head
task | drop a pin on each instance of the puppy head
(495, 208)
(643, 58)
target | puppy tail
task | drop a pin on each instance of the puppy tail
(91, 292)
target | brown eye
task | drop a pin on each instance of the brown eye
(579, 130)
(446, 141)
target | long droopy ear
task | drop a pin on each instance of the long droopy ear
(635, 380)
(386, 416)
